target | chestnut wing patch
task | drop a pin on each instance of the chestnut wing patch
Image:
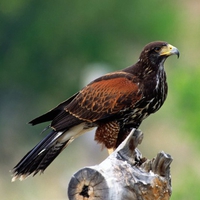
(104, 98)
(101, 99)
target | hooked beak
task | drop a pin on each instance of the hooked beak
(169, 50)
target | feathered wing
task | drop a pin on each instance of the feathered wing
(49, 116)
(100, 100)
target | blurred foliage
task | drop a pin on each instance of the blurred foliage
(48, 39)
(188, 106)
(187, 183)
(45, 46)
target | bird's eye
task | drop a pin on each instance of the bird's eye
(157, 49)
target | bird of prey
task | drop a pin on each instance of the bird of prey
(114, 104)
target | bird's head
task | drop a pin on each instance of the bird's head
(157, 52)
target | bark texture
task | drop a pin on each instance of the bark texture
(124, 175)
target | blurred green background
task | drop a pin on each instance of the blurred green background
(51, 49)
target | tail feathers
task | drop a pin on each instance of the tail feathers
(40, 157)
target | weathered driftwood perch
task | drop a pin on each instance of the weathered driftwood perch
(124, 175)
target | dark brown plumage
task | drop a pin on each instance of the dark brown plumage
(114, 103)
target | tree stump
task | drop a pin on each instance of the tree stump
(124, 175)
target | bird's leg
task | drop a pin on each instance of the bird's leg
(110, 151)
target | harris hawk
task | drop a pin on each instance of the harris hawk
(114, 104)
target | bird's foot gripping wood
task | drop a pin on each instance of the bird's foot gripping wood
(124, 175)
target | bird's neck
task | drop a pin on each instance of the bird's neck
(143, 69)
